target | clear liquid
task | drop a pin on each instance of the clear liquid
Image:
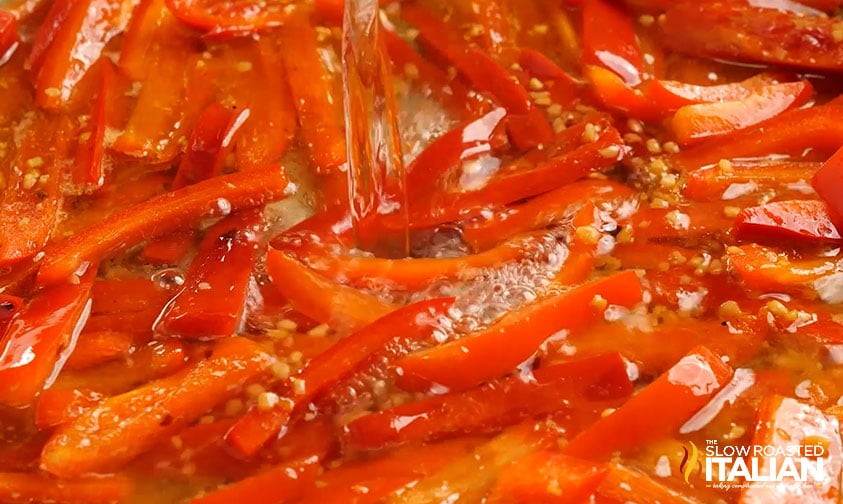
(376, 182)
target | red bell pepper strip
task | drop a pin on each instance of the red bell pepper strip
(473, 139)
(170, 249)
(768, 270)
(59, 406)
(819, 128)
(39, 339)
(94, 348)
(614, 94)
(8, 34)
(828, 182)
(692, 123)
(624, 484)
(316, 94)
(536, 172)
(547, 476)
(324, 371)
(127, 295)
(673, 95)
(159, 215)
(497, 404)
(500, 348)
(251, 75)
(212, 303)
(542, 211)
(140, 37)
(280, 484)
(28, 487)
(88, 169)
(786, 424)
(563, 89)
(609, 40)
(139, 323)
(221, 18)
(787, 178)
(32, 195)
(210, 142)
(796, 221)
(738, 31)
(319, 298)
(677, 395)
(427, 76)
(73, 40)
(124, 426)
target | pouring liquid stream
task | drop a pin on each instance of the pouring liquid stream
(376, 178)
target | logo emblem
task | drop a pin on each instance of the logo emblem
(690, 462)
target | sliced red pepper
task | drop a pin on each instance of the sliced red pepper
(549, 477)
(541, 211)
(614, 94)
(676, 395)
(319, 298)
(209, 143)
(230, 17)
(74, 37)
(131, 322)
(330, 367)
(88, 168)
(250, 74)
(316, 94)
(8, 34)
(28, 487)
(497, 404)
(95, 348)
(564, 90)
(466, 362)
(39, 339)
(768, 270)
(738, 31)
(32, 195)
(828, 182)
(159, 215)
(10, 306)
(817, 128)
(673, 95)
(796, 221)
(789, 179)
(785, 424)
(124, 426)
(170, 249)
(609, 40)
(139, 39)
(278, 484)
(623, 484)
(213, 301)
(692, 123)
(539, 171)
(127, 295)
(59, 406)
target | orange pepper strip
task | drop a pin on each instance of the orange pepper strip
(127, 295)
(321, 299)
(673, 95)
(330, 367)
(625, 484)
(138, 41)
(282, 483)
(610, 90)
(496, 404)
(828, 182)
(59, 406)
(22, 487)
(124, 426)
(769, 270)
(547, 476)
(416, 273)
(32, 195)
(170, 249)
(787, 178)
(693, 123)
(208, 144)
(316, 96)
(676, 394)
(542, 211)
(799, 222)
(10, 306)
(159, 215)
(499, 349)
(34, 346)
(787, 424)
(94, 348)
(819, 128)
(139, 322)
(88, 169)
(70, 45)
(609, 40)
(212, 303)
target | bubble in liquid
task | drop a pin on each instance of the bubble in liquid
(169, 278)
